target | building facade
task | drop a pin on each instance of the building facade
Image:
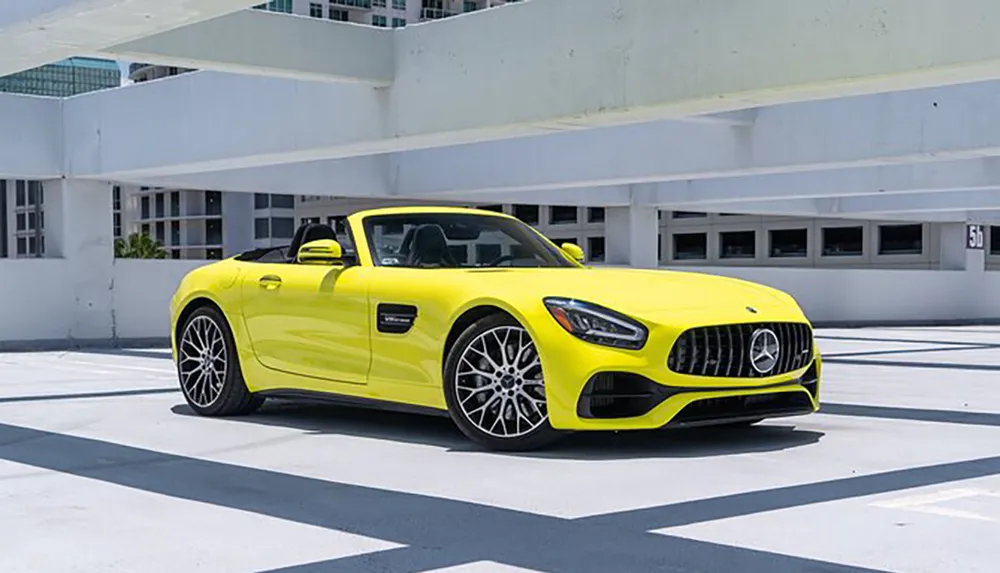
(22, 219)
(382, 13)
(718, 239)
(64, 78)
(203, 224)
(22, 202)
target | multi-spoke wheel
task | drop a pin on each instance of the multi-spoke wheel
(208, 369)
(494, 386)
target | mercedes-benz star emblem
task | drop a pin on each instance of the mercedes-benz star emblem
(764, 350)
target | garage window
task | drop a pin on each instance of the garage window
(843, 241)
(789, 243)
(687, 215)
(690, 246)
(738, 245)
(595, 248)
(261, 229)
(562, 215)
(901, 240)
(526, 213)
(994, 238)
(282, 227)
(595, 214)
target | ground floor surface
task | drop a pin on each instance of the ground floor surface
(104, 469)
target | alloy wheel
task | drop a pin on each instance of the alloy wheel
(202, 361)
(499, 383)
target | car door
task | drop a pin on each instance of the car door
(310, 320)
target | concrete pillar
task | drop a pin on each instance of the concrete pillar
(79, 230)
(237, 222)
(633, 236)
(956, 254)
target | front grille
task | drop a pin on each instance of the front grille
(724, 351)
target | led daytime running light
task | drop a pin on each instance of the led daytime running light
(597, 324)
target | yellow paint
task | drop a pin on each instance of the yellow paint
(317, 330)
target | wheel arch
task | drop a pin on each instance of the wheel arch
(200, 301)
(466, 319)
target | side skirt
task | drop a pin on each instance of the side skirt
(341, 400)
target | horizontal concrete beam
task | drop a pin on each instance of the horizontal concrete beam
(610, 63)
(357, 177)
(956, 122)
(962, 201)
(208, 121)
(37, 32)
(30, 137)
(258, 42)
(343, 120)
(967, 174)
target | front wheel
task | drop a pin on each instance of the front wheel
(494, 386)
(209, 370)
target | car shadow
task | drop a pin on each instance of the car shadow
(441, 432)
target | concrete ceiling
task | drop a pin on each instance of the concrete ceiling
(770, 103)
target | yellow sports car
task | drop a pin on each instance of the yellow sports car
(476, 315)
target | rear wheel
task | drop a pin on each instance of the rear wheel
(208, 368)
(494, 386)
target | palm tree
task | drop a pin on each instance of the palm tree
(139, 246)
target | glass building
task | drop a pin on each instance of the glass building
(64, 78)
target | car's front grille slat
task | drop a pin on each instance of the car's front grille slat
(724, 350)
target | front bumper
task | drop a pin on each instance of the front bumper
(589, 387)
(613, 398)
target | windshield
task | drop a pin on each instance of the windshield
(457, 240)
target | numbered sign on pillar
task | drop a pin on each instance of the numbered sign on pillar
(975, 237)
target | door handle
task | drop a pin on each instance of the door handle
(269, 282)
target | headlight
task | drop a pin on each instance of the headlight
(597, 324)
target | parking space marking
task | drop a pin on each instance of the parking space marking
(483, 567)
(928, 503)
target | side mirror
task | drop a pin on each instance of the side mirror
(321, 252)
(574, 251)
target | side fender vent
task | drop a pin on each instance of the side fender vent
(395, 318)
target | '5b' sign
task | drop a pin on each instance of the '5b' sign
(975, 237)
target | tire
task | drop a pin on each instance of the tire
(471, 396)
(200, 379)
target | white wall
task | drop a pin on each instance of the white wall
(865, 295)
(39, 307)
(30, 137)
(143, 289)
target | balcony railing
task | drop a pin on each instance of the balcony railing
(436, 13)
(359, 4)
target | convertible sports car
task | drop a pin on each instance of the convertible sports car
(476, 315)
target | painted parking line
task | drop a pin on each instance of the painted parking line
(483, 567)
(929, 503)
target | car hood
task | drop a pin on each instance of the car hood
(637, 291)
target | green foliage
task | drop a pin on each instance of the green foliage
(139, 246)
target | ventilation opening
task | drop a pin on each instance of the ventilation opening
(810, 381)
(734, 408)
(619, 395)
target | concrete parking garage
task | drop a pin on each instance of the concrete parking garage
(103, 468)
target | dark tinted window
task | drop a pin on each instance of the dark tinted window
(843, 241)
(901, 240)
(690, 246)
(737, 245)
(788, 243)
